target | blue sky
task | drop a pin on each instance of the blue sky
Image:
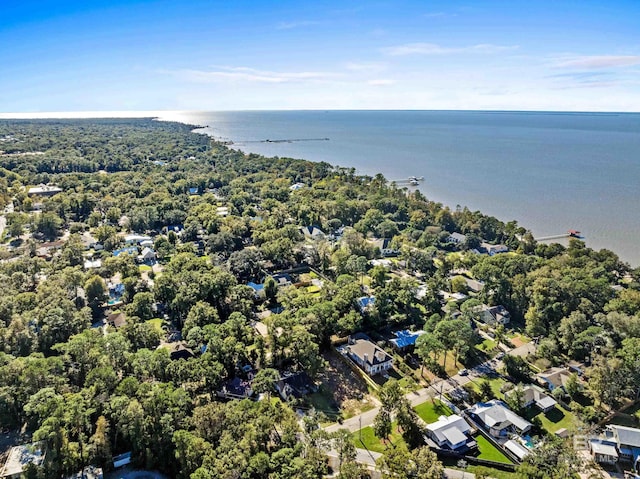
(234, 55)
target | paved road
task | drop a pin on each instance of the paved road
(418, 397)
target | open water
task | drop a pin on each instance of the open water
(550, 171)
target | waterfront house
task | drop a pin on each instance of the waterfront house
(498, 419)
(371, 358)
(451, 432)
(493, 249)
(457, 238)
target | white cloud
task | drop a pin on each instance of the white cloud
(381, 82)
(435, 49)
(365, 66)
(599, 61)
(297, 24)
(246, 74)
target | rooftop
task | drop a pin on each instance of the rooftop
(20, 456)
(366, 350)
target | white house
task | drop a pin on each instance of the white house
(493, 315)
(457, 238)
(451, 432)
(312, 232)
(367, 355)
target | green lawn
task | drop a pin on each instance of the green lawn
(487, 345)
(431, 410)
(490, 452)
(496, 385)
(156, 323)
(491, 472)
(144, 268)
(371, 442)
(553, 420)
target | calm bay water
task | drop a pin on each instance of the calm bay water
(549, 171)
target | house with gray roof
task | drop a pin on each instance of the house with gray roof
(535, 396)
(498, 419)
(371, 358)
(451, 432)
(19, 457)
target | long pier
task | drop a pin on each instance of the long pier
(565, 235)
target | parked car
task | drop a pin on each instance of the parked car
(463, 372)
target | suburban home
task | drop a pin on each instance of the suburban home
(553, 378)
(451, 432)
(405, 340)
(457, 238)
(297, 186)
(44, 190)
(603, 452)
(535, 395)
(116, 320)
(222, 211)
(19, 457)
(312, 232)
(473, 285)
(627, 440)
(178, 350)
(236, 388)
(92, 263)
(493, 315)
(492, 249)
(498, 419)
(367, 355)
(147, 256)
(365, 303)
(384, 245)
(295, 386)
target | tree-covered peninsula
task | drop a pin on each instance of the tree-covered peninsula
(203, 309)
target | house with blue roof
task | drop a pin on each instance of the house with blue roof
(365, 303)
(405, 340)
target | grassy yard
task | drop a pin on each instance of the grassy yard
(491, 472)
(371, 442)
(490, 452)
(156, 323)
(431, 410)
(557, 418)
(487, 345)
(144, 268)
(496, 385)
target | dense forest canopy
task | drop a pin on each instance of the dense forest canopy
(219, 220)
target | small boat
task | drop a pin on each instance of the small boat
(415, 178)
(414, 182)
(574, 233)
